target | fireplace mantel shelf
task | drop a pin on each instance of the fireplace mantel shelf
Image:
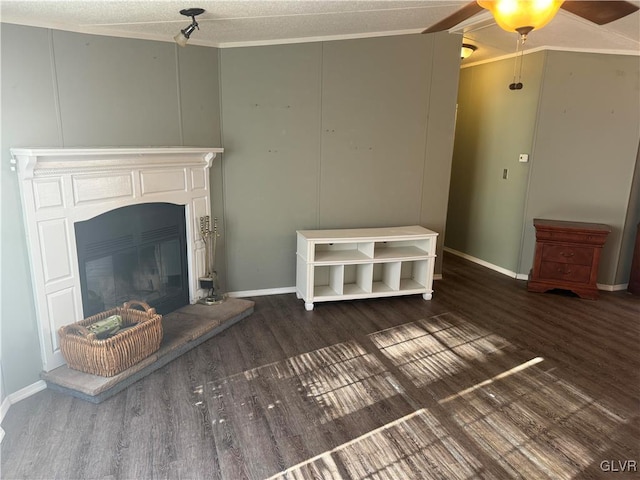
(32, 162)
(62, 186)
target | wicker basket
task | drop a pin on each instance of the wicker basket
(83, 351)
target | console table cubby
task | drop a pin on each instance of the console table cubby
(349, 264)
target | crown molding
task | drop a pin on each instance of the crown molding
(553, 49)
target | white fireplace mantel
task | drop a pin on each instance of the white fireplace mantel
(62, 186)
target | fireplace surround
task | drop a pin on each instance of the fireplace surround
(62, 187)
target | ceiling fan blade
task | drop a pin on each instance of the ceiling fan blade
(598, 11)
(468, 11)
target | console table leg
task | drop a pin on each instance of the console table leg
(427, 296)
(308, 306)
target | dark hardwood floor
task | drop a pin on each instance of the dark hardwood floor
(484, 381)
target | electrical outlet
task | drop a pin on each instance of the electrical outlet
(523, 158)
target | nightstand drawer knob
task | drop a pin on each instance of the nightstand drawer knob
(567, 254)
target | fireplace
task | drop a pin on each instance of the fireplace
(65, 191)
(136, 252)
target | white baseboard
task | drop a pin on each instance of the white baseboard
(4, 408)
(16, 397)
(484, 263)
(27, 391)
(262, 292)
(612, 288)
(523, 276)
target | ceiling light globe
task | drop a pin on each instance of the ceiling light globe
(522, 16)
(466, 50)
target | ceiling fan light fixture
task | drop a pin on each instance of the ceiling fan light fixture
(466, 50)
(522, 16)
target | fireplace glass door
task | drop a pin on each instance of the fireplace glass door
(134, 253)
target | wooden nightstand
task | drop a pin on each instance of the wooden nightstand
(567, 256)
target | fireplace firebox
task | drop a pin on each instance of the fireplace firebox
(136, 252)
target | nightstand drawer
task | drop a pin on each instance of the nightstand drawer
(565, 271)
(566, 254)
(571, 237)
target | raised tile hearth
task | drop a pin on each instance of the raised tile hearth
(184, 329)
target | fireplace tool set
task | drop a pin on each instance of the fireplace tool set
(210, 279)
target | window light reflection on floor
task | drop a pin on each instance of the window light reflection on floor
(416, 446)
(525, 418)
(523, 421)
(543, 428)
(339, 379)
(428, 351)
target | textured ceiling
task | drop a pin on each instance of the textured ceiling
(229, 23)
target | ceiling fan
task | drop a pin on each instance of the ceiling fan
(522, 16)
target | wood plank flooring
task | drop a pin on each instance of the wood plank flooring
(486, 380)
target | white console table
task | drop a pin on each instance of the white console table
(348, 264)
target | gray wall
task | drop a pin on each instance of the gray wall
(28, 116)
(63, 89)
(578, 116)
(630, 228)
(585, 149)
(271, 128)
(328, 135)
(319, 135)
(494, 125)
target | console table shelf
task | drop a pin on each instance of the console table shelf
(363, 263)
